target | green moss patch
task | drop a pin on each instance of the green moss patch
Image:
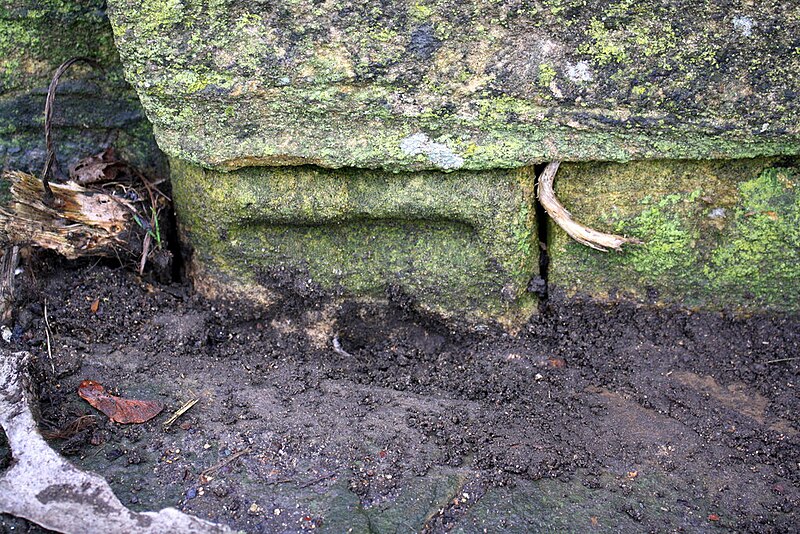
(716, 234)
(459, 244)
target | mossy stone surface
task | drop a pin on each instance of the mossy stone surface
(453, 84)
(91, 108)
(717, 234)
(461, 244)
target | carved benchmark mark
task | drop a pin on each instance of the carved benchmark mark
(580, 233)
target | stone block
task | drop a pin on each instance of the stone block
(460, 244)
(717, 234)
(91, 108)
(463, 84)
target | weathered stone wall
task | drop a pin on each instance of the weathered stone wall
(677, 122)
(91, 109)
(454, 84)
(717, 234)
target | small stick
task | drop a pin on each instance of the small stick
(783, 360)
(317, 481)
(224, 462)
(51, 163)
(47, 334)
(337, 348)
(180, 411)
(580, 233)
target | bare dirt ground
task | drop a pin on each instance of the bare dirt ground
(595, 418)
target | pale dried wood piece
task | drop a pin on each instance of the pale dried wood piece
(580, 233)
(78, 222)
(8, 271)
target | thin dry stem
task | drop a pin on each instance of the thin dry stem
(580, 233)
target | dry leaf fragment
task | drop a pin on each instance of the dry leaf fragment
(102, 167)
(95, 305)
(116, 408)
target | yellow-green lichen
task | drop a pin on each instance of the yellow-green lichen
(459, 244)
(716, 234)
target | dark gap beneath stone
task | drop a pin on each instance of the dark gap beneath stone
(174, 245)
(5, 452)
(538, 284)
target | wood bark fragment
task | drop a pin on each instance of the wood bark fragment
(8, 268)
(79, 222)
(580, 233)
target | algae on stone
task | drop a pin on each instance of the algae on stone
(229, 83)
(718, 234)
(91, 109)
(458, 243)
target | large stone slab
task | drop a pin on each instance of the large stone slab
(91, 109)
(448, 84)
(717, 234)
(461, 244)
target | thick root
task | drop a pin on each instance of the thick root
(580, 233)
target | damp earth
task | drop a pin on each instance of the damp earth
(595, 417)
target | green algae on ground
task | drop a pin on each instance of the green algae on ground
(716, 234)
(460, 243)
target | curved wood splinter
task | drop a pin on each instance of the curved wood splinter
(580, 233)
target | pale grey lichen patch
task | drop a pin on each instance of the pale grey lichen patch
(439, 154)
(743, 25)
(717, 213)
(580, 72)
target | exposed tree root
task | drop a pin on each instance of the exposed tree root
(580, 233)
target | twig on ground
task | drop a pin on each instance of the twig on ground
(225, 462)
(337, 348)
(179, 412)
(317, 480)
(580, 233)
(780, 360)
(48, 336)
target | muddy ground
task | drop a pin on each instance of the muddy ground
(595, 418)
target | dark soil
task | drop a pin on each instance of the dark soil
(596, 417)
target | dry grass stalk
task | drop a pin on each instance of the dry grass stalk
(580, 233)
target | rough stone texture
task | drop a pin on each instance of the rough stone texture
(722, 234)
(91, 110)
(446, 84)
(455, 243)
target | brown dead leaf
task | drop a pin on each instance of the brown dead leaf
(102, 167)
(95, 305)
(116, 408)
